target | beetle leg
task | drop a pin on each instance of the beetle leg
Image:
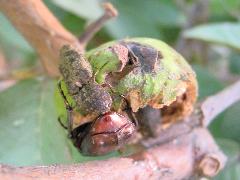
(61, 123)
(63, 95)
(69, 109)
(70, 122)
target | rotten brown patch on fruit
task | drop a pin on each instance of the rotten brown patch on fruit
(135, 58)
(134, 98)
(157, 101)
(113, 78)
(144, 56)
(182, 106)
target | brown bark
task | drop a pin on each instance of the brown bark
(216, 104)
(195, 153)
(41, 29)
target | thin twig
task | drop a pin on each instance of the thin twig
(216, 104)
(93, 28)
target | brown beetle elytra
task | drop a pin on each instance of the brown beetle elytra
(107, 133)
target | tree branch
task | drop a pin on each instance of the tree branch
(181, 151)
(174, 160)
(41, 29)
(216, 104)
(44, 32)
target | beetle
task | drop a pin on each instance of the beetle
(110, 130)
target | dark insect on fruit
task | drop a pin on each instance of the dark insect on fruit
(107, 133)
(110, 130)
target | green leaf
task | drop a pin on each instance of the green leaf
(230, 126)
(133, 22)
(89, 10)
(223, 33)
(207, 83)
(224, 10)
(57, 11)
(30, 132)
(234, 63)
(232, 168)
(74, 24)
(129, 23)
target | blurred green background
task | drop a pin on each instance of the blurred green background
(205, 32)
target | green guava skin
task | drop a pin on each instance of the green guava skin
(167, 81)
